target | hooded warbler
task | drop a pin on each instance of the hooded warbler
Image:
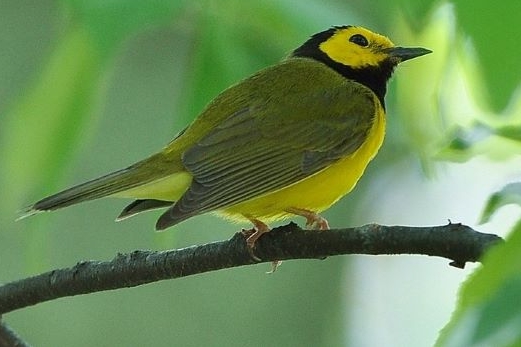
(291, 139)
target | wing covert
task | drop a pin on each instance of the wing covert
(267, 146)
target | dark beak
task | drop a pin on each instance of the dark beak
(404, 53)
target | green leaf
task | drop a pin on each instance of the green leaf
(113, 21)
(488, 313)
(464, 139)
(492, 323)
(496, 39)
(497, 142)
(43, 129)
(512, 132)
(510, 194)
(415, 84)
(416, 12)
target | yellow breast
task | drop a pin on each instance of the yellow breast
(318, 192)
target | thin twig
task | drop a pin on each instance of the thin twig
(456, 242)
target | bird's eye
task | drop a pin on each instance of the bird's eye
(359, 40)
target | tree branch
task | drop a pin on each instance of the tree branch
(457, 242)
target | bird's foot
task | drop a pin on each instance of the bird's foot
(252, 235)
(274, 266)
(313, 219)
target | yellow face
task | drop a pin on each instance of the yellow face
(356, 47)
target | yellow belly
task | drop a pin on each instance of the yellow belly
(318, 192)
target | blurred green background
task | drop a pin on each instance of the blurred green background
(90, 86)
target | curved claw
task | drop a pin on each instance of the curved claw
(313, 219)
(253, 235)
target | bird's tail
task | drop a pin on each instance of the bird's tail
(109, 184)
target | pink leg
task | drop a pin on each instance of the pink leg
(253, 235)
(313, 219)
(260, 228)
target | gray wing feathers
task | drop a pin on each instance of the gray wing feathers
(255, 151)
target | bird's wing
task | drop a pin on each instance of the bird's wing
(268, 146)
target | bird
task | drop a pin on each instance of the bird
(290, 140)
